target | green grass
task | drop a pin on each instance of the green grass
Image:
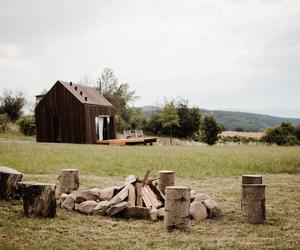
(188, 161)
(213, 170)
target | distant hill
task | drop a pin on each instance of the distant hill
(232, 120)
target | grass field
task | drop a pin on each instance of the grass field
(215, 170)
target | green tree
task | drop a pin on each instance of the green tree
(284, 134)
(169, 118)
(12, 104)
(210, 130)
(119, 95)
(4, 120)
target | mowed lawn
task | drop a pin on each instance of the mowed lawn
(214, 170)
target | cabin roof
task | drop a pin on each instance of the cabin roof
(89, 95)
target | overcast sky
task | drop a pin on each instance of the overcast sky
(226, 54)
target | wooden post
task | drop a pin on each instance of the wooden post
(177, 208)
(38, 199)
(9, 179)
(165, 178)
(253, 203)
(68, 180)
(251, 179)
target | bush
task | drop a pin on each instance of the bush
(284, 134)
(12, 104)
(4, 120)
(26, 124)
(210, 129)
(297, 132)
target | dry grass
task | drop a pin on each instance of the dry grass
(256, 135)
(75, 231)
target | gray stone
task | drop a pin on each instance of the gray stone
(198, 211)
(101, 207)
(69, 203)
(214, 210)
(87, 207)
(84, 195)
(161, 212)
(201, 197)
(107, 193)
(115, 209)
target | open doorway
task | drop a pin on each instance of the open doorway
(102, 124)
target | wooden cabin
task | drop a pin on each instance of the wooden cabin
(72, 113)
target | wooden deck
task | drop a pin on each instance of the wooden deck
(129, 141)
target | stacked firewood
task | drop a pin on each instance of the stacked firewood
(138, 199)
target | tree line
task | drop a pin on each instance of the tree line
(175, 118)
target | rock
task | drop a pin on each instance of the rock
(69, 203)
(153, 214)
(87, 207)
(115, 209)
(193, 195)
(136, 213)
(101, 207)
(214, 210)
(85, 195)
(62, 198)
(108, 193)
(161, 212)
(201, 197)
(96, 191)
(198, 211)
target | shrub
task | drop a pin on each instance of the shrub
(284, 134)
(12, 104)
(297, 132)
(4, 120)
(210, 129)
(26, 124)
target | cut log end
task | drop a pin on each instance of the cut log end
(251, 179)
(38, 199)
(9, 179)
(68, 180)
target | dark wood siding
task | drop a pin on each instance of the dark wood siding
(92, 111)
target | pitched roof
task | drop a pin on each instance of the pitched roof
(91, 94)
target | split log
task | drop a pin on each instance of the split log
(9, 179)
(115, 209)
(68, 180)
(150, 198)
(251, 179)
(153, 214)
(253, 203)
(87, 207)
(177, 208)
(166, 178)
(131, 195)
(84, 195)
(136, 212)
(38, 199)
(198, 211)
(122, 195)
(139, 199)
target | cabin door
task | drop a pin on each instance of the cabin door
(99, 127)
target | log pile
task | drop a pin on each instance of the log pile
(137, 199)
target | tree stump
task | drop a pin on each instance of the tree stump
(177, 208)
(251, 179)
(253, 203)
(165, 178)
(9, 179)
(68, 180)
(38, 199)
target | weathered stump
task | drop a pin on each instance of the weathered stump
(68, 180)
(165, 178)
(177, 208)
(9, 179)
(253, 203)
(38, 199)
(251, 179)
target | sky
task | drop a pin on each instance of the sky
(217, 54)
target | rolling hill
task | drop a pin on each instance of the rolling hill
(232, 120)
